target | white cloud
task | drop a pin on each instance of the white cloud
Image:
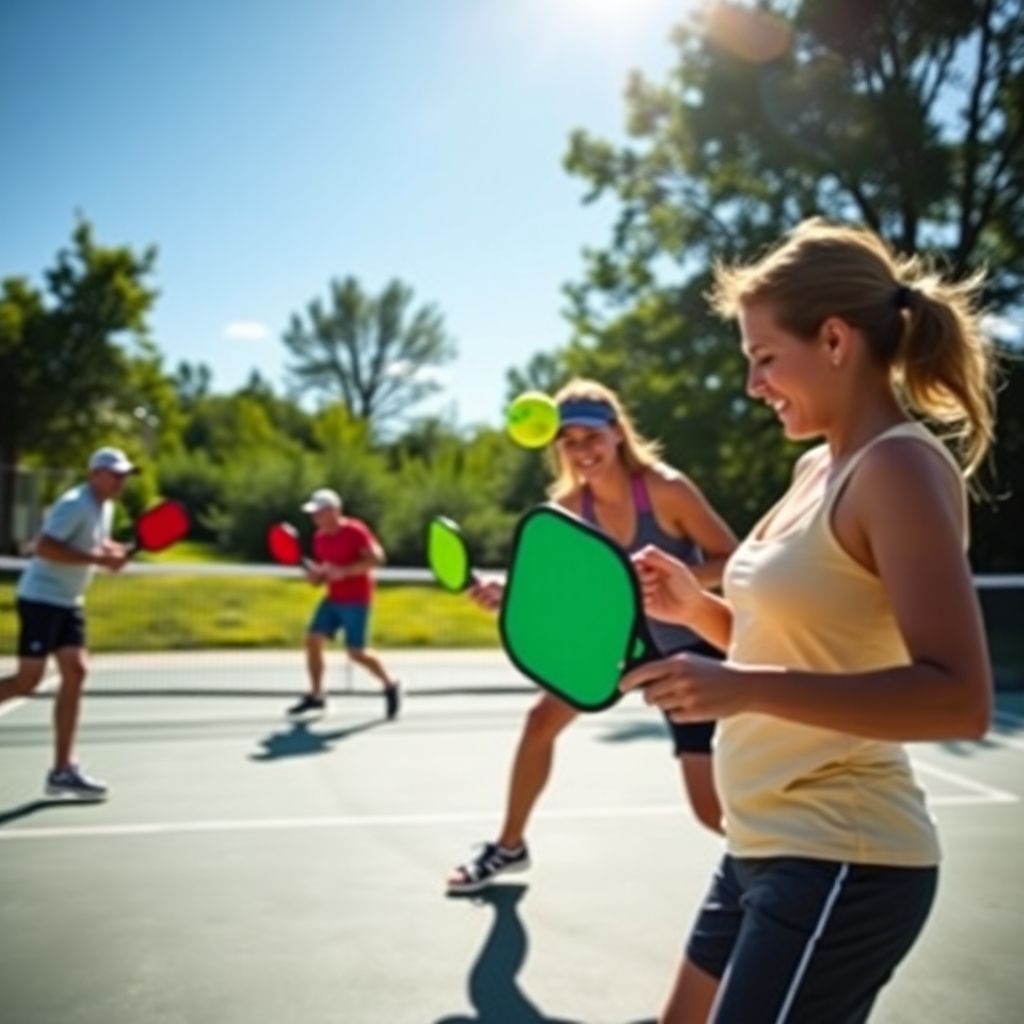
(246, 330)
(421, 375)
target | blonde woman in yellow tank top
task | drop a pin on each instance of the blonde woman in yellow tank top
(850, 624)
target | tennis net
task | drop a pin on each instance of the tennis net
(225, 606)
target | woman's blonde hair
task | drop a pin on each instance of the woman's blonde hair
(925, 329)
(635, 451)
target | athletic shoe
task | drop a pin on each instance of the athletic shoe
(392, 699)
(491, 861)
(307, 705)
(73, 782)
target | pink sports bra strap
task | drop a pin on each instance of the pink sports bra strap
(641, 499)
(587, 505)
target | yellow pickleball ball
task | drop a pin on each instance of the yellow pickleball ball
(532, 419)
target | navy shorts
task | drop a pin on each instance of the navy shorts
(693, 737)
(44, 628)
(804, 941)
(352, 619)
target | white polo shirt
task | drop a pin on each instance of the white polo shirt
(79, 520)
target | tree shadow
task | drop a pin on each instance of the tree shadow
(298, 740)
(493, 990)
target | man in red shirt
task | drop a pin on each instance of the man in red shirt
(345, 552)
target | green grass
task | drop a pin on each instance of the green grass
(187, 551)
(182, 612)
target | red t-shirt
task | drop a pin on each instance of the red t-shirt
(350, 542)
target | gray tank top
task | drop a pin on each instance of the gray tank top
(669, 637)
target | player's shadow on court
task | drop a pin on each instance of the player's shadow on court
(493, 991)
(299, 740)
(630, 732)
(34, 806)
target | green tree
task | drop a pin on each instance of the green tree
(906, 115)
(192, 382)
(546, 371)
(376, 354)
(62, 355)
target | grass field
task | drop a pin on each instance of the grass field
(183, 612)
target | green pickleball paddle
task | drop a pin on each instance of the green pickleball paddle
(447, 554)
(572, 617)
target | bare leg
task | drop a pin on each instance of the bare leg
(28, 676)
(532, 765)
(370, 660)
(692, 996)
(73, 669)
(699, 784)
(315, 662)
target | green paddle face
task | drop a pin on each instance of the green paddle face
(572, 617)
(447, 554)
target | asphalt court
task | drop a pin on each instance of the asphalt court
(250, 869)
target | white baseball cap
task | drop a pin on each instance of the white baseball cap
(113, 459)
(321, 499)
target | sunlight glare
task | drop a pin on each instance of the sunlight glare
(612, 19)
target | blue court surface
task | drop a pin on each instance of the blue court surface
(247, 869)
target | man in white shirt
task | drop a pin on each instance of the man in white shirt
(75, 538)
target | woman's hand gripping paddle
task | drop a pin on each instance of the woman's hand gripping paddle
(572, 619)
(448, 556)
(160, 527)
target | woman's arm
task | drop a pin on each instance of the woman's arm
(691, 513)
(901, 516)
(673, 593)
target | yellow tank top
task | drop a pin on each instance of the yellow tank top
(788, 789)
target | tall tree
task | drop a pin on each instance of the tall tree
(192, 382)
(906, 115)
(376, 354)
(61, 352)
(546, 371)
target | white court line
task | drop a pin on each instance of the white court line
(1008, 718)
(12, 705)
(978, 792)
(335, 821)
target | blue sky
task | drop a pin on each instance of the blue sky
(268, 147)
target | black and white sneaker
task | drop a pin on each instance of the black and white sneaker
(308, 705)
(73, 782)
(491, 861)
(392, 699)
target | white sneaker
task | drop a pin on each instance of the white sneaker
(73, 782)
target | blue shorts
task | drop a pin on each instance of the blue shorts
(806, 941)
(352, 619)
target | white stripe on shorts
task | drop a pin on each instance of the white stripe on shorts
(819, 929)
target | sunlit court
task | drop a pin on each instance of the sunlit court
(250, 869)
(509, 512)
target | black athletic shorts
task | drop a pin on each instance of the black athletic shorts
(806, 941)
(45, 628)
(693, 737)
